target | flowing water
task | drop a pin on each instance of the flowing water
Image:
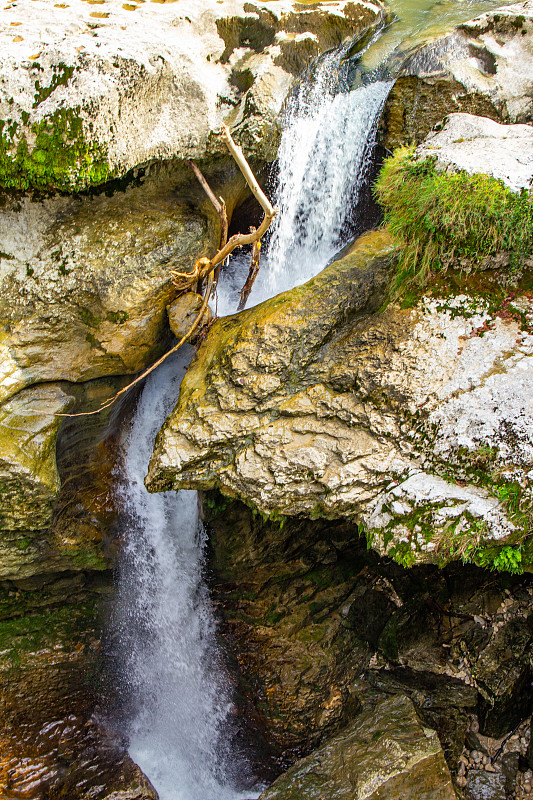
(172, 675)
(324, 158)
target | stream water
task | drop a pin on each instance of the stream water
(324, 157)
(172, 676)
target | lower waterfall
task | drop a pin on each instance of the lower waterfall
(171, 673)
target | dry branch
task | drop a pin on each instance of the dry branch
(252, 275)
(219, 205)
(205, 267)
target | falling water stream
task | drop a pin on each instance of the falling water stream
(324, 159)
(171, 671)
(172, 676)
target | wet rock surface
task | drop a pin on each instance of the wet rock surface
(54, 739)
(316, 620)
(384, 753)
(484, 67)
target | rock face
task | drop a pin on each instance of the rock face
(384, 754)
(484, 67)
(84, 282)
(53, 742)
(82, 102)
(476, 144)
(310, 404)
(313, 617)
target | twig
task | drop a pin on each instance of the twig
(252, 275)
(220, 207)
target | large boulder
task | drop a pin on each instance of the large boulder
(312, 404)
(483, 67)
(84, 282)
(81, 101)
(471, 144)
(385, 754)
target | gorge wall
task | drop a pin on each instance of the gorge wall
(338, 411)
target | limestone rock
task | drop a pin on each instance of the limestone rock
(384, 754)
(82, 102)
(183, 311)
(484, 67)
(30, 480)
(84, 281)
(478, 144)
(310, 404)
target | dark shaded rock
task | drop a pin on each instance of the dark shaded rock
(442, 702)
(481, 785)
(385, 754)
(503, 675)
(51, 727)
(289, 596)
(309, 611)
(510, 763)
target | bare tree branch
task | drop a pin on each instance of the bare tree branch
(252, 274)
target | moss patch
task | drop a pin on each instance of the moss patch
(444, 220)
(60, 157)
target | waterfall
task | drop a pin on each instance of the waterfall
(170, 670)
(324, 158)
(177, 698)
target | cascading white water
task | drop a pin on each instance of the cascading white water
(169, 665)
(324, 158)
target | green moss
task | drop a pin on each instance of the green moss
(60, 157)
(117, 317)
(62, 75)
(444, 220)
(36, 631)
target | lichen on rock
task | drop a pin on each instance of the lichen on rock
(82, 103)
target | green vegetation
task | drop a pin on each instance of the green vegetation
(444, 220)
(60, 157)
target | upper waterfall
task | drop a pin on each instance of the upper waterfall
(325, 154)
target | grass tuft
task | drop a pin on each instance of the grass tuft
(443, 220)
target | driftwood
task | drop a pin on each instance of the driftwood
(252, 274)
(186, 280)
(208, 269)
(219, 205)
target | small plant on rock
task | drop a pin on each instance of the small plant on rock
(444, 220)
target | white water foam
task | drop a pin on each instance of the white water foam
(171, 672)
(324, 160)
